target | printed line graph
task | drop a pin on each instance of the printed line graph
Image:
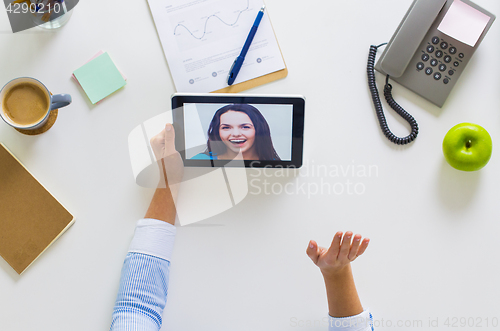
(215, 16)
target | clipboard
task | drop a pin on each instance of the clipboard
(166, 24)
(243, 86)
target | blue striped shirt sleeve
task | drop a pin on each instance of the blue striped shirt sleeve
(142, 294)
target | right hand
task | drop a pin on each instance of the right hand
(341, 253)
(168, 158)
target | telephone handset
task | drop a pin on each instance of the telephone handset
(428, 53)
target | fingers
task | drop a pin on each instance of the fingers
(358, 247)
(363, 246)
(157, 144)
(346, 245)
(334, 249)
(341, 252)
(346, 248)
(356, 241)
(169, 139)
(163, 143)
(312, 251)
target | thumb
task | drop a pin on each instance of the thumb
(312, 251)
(169, 139)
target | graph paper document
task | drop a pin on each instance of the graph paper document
(202, 38)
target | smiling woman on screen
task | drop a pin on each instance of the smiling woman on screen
(235, 128)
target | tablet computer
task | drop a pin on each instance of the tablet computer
(211, 130)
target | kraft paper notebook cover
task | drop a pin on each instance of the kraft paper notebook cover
(31, 219)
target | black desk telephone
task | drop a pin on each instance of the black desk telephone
(427, 54)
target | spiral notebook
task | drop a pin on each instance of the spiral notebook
(31, 218)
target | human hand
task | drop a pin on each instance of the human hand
(169, 160)
(341, 253)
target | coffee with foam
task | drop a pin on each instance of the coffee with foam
(25, 103)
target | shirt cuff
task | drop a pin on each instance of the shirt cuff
(153, 237)
(360, 322)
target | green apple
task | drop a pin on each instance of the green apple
(467, 147)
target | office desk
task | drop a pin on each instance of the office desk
(434, 229)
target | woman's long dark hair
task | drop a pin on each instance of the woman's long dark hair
(263, 142)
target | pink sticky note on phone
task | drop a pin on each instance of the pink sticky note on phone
(464, 23)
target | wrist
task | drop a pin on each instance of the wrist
(337, 273)
(343, 299)
(162, 183)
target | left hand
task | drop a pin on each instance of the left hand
(340, 254)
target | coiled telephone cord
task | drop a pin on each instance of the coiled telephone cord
(388, 97)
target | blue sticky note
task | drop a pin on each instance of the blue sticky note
(99, 78)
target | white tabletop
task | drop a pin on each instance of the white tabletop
(433, 228)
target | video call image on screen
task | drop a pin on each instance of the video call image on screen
(221, 131)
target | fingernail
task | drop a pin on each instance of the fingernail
(311, 245)
(168, 127)
(357, 239)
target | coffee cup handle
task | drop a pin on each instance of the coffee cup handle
(60, 100)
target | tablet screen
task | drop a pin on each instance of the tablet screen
(213, 129)
(219, 131)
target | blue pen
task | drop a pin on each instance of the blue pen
(235, 68)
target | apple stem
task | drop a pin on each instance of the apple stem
(468, 144)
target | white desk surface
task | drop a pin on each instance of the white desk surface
(434, 230)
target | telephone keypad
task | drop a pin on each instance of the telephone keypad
(439, 52)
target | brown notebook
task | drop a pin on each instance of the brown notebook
(31, 219)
